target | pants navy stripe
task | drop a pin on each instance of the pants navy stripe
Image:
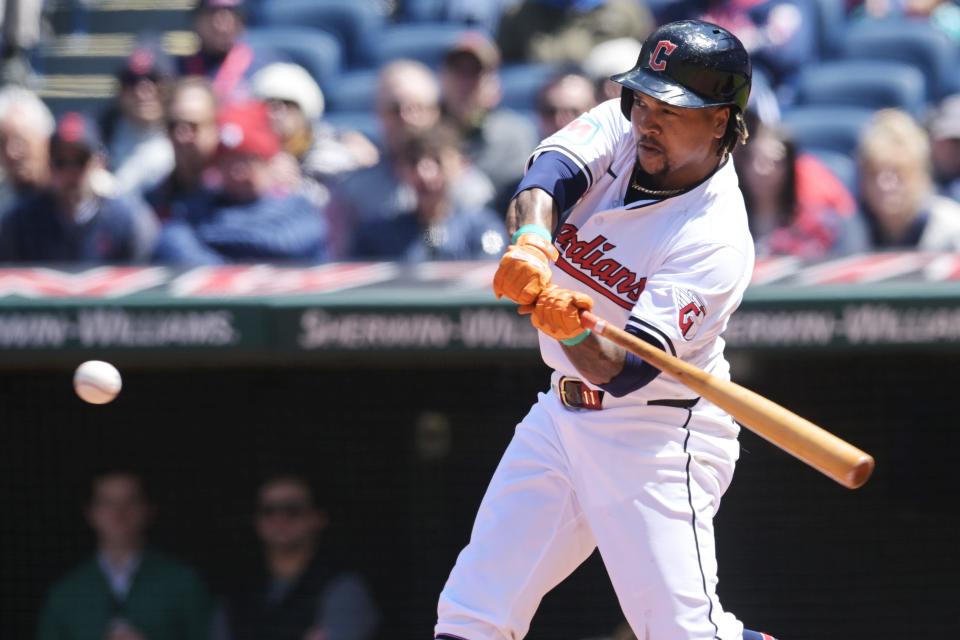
(693, 523)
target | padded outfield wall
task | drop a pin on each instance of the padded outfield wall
(401, 441)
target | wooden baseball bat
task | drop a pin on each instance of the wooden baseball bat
(799, 437)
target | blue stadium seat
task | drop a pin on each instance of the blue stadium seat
(825, 128)
(831, 23)
(356, 23)
(916, 43)
(354, 90)
(522, 82)
(316, 51)
(863, 83)
(427, 42)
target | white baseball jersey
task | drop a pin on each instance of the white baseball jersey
(639, 481)
(674, 269)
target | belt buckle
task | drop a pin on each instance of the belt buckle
(577, 395)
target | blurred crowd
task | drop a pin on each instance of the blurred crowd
(231, 155)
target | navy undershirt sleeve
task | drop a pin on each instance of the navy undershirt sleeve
(636, 372)
(558, 175)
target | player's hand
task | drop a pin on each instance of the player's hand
(525, 268)
(557, 312)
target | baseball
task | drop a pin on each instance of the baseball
(97, 382)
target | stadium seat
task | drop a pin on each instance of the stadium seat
(522, 82)
(427, 42)
(916, 43)
(356, 23)
(831, 22)
(354, 90)
(863, 83)
(316, 51)
(818, 127)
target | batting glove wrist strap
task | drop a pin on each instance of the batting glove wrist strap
(575, 340)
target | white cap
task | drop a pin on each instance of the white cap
(612, 57)
(287, 81)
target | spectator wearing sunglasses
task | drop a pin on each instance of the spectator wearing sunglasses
(249, 217)
(299, 593)
(191, 126)
(133, 127)
(77, 219)
(561, 101)
(407, 102)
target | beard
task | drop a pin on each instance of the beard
(652, 158)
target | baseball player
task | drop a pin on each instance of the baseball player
(633, 211)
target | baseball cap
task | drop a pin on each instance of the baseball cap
(945, 123)
(75, 129)
(291, 82)
(146, 62)
(478, 45)
(245, 128)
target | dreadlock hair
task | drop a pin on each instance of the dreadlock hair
(736, 132)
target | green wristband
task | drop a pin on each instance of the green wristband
(531, 228)
(577, 339)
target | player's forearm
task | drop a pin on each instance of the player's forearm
(532, 206)
(598, 361)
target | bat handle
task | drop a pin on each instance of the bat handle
(592, 322)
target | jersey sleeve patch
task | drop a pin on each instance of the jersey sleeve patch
(579, 132)
(691, 312)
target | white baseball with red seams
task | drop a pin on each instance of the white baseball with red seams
(97, 382)
(641, 482)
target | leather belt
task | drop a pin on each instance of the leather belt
(575, 394)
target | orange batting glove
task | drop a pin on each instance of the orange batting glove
(557, 314)
(525, 268)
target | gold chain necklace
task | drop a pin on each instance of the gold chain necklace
(652, 192)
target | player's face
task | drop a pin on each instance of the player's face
(676, 146)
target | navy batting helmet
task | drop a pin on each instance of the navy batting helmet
(691, 64)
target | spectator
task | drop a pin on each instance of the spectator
(408, 100)
(128, 590)
(25, 128)
(610, 58)
(247, 220)
(897, 188)
(76, 219)
(300, 594)
(566, 30)
(781, 35)
(565, 96)
(941, 14)
(133, 128)
(191, 125)
(296, 105)
(437, 228)
(944, 130)
(794, 204)
(222, 57)
(497, 142)
(21, 33)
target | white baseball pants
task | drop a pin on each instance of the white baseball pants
(640, 482)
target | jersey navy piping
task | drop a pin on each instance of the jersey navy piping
(693, 524)
(659, 334)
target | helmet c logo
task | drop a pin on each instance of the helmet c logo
(658, 57)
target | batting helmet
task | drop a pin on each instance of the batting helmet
(691, 64)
